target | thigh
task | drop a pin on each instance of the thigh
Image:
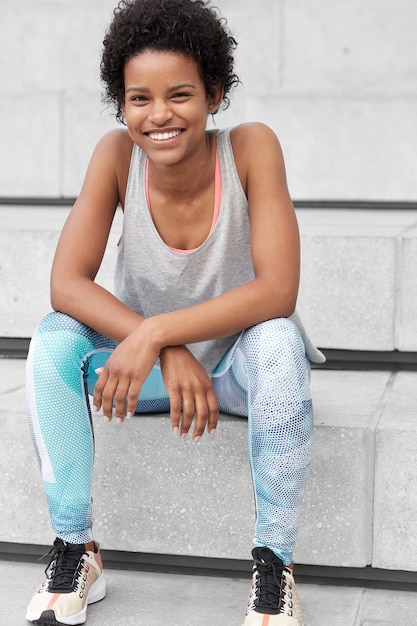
(230, 382)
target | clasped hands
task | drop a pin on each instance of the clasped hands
(189, 387)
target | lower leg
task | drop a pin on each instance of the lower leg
(60, 421)
(280, 430)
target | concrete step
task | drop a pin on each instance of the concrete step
(154, 493)
(151, 599)
(358, 288)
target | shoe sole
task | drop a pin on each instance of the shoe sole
(47, 618)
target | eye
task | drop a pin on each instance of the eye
(181, 95)
(138, 99)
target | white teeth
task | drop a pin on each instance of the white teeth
(164, 136)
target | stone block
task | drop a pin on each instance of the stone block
(338, 47)
(379, 610)
(343, 148)
(259, 59)
(23, 512)
(395, 519)
(156, 493)
(85, 121)
(177, 497)
(28, 55)
(30, 159)
(54, 46)
(33, 232)
(153, 492)
(336, 520)
(348, 278)
(407, 292)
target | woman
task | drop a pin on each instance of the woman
(202, 318)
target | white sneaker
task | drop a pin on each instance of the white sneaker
(74, 579)
(273, 599)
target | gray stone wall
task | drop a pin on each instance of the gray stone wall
(336, 80)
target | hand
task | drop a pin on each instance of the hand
(122, 377)
(190, 392)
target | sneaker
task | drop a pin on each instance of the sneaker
(273, 599)
(74, 579)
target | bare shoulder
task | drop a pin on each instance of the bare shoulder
(110, 164)
(115, 144)
(255, 147)
(253, 135)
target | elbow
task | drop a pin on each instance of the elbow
(285, 304)
(288, 310)
(60, 295)
(57, 299)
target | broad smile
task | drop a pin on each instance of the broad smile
(164, 136)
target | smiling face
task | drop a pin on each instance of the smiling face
(166, 105)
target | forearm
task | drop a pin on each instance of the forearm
(96, 307)
(240, 308)
(227, 314)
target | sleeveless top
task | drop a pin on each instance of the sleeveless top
(151, 278)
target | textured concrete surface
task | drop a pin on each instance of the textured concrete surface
(395, 517)
(156, 493)
(336, 80)
(29, 237)
(358, 286)
(144, 599)
(336, 522)
(407, 297)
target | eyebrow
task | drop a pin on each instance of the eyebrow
(171, 89)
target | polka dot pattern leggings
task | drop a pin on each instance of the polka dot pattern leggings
(264, 376)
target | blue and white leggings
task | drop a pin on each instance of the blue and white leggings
(264, 376)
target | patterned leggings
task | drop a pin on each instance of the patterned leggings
(264, 376)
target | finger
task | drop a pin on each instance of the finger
(207, 412)
(202, 413)
(132, 397)
(107, 398)
(98, 389)
(175, 409)
(213, 412)
(188, 412)
(120, 400)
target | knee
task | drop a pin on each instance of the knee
(279, 336)
(55, 322)
(60, 336)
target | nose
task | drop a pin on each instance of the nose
(160, 112)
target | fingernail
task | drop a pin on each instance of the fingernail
(129, 415)
(197, 438)
(119, 420)
(94, 409)
(107, 419)
(175, 430)
(184, 436)
(213, 431)
(98, 370)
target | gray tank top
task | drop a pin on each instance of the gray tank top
(150, 278)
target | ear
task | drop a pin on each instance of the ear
(215, 100)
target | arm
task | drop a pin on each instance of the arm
(73, 291)
(83, 241)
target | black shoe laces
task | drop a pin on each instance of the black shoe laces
(270, 590)
(64, 566)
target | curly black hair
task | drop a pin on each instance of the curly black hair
(189, 27)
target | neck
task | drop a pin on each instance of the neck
(187, 178)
